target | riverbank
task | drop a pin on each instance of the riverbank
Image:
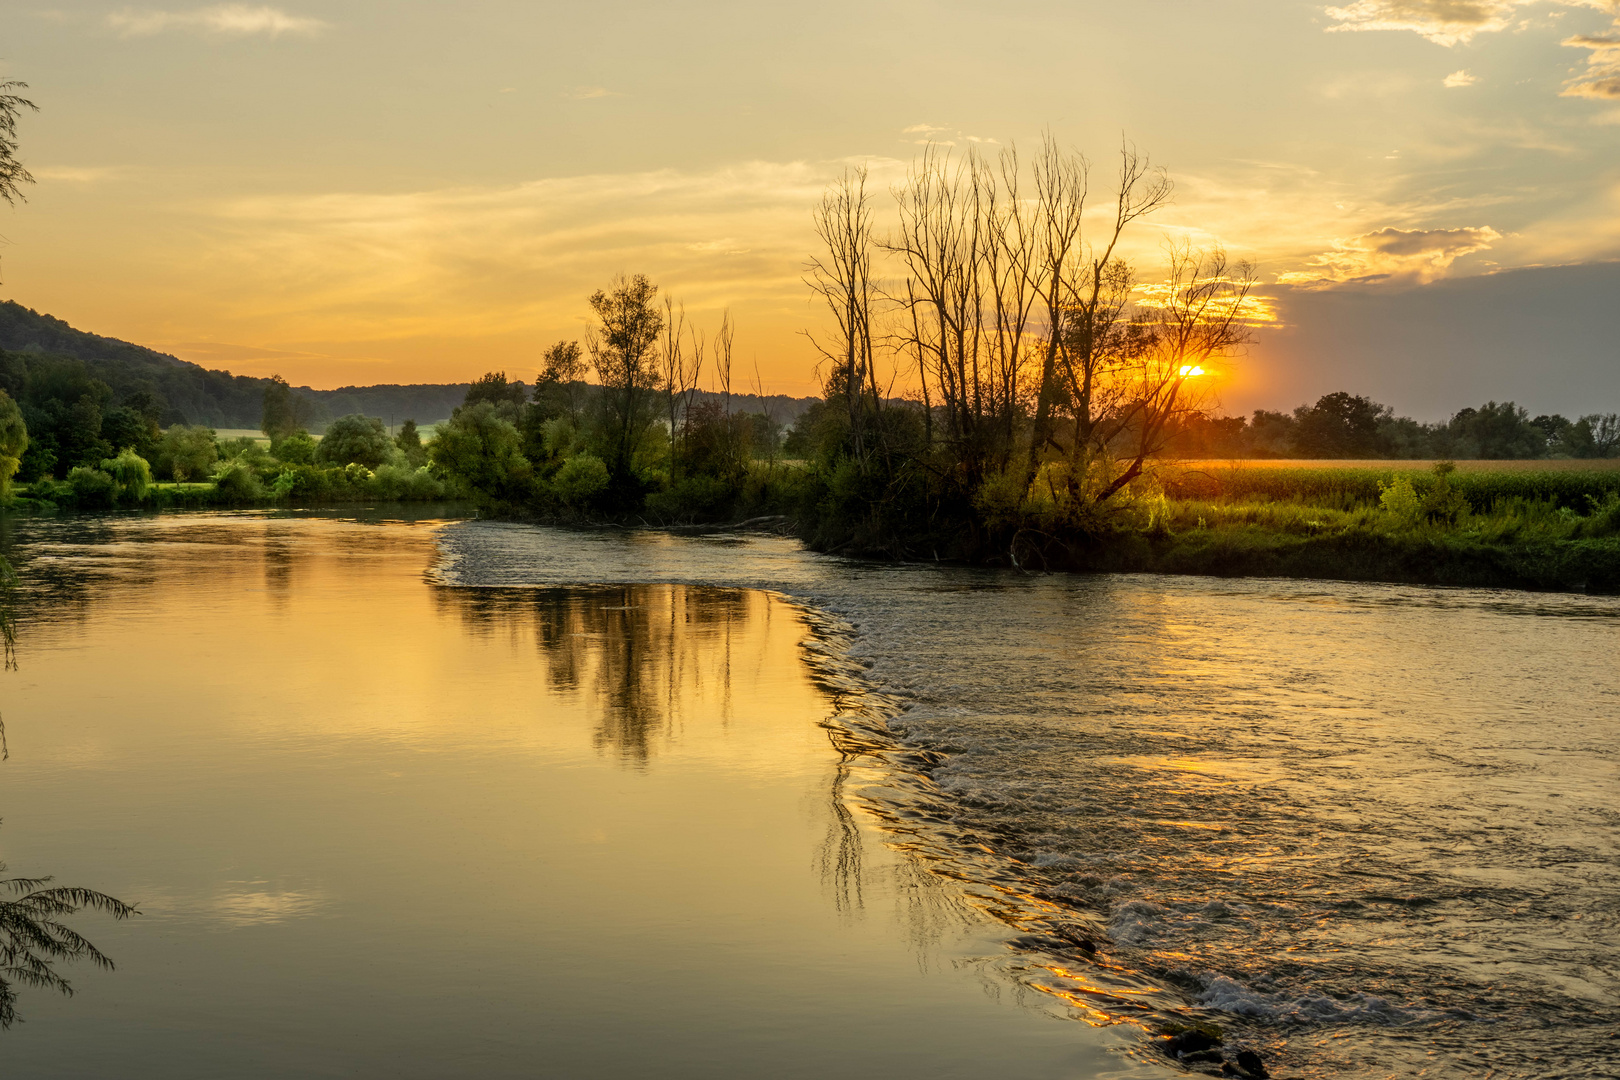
(1479, 525)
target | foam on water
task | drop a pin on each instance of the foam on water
(1371, 830)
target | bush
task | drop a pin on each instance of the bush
(355, 439)
(694, 499)
(580, 481)
(1398, 498)
(404, 482)
(186, 453)
(483, 451)
(236, 482)
(296, 449)
(131, 475)
(91, 488)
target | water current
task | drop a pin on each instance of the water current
(1368, 830)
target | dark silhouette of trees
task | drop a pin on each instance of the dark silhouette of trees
(493, 388)
(281, 414)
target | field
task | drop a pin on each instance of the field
(1405, 465)
(1347, 485)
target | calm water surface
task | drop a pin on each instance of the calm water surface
(473, 798)
(383, 827)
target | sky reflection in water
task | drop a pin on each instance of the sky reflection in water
(385, 828)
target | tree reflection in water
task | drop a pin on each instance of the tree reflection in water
(652, 655)
(644, 652)
(33, 939)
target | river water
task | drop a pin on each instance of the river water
(438, 798)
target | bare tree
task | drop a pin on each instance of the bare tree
(1200, 313)
(722, 358)
(843, 279)
(1093, 296)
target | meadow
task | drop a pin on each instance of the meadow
(1347, 485)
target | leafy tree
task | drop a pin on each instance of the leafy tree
(187, 452)
(13, 441)
(409, 442)
(484, 451)
(561, 384)
(494, 389)
(131, 476)
(280, 416)
(623, 346)
(126, 428)
(297, 448)
(1495, 431)
(355, 439)
(581, 479)
(79, 435)
(1595, 436)
(1339, 425)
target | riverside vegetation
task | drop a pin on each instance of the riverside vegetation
(1054, 394)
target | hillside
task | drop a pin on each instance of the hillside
(187, 392)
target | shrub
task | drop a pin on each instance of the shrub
(131, 475)
(236, 482)
(186, 453)
(296, 449)
(396, 481)
(90, 488)
(694, 499)
(582, 478)
(483, 451)
(1398, 498)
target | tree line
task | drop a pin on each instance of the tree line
(1342, 425)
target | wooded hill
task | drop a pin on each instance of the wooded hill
(188, 393)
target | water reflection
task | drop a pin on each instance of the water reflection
(33, 937)
(643, 654)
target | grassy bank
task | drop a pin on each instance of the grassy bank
(1519, 544)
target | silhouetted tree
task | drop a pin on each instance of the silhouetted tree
(1339, 425)
(410, 444)
(493, 388)
(280, 416)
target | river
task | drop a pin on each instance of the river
(426, 798)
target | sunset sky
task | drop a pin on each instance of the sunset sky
(364, 192)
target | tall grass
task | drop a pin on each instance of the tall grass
(1347, 488)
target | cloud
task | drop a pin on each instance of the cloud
(72, 174)
(1409, 255)
(502, 258)
(1459, 78)
(1444, 22)
(224, 20)
(1601, 80)
(590, 93)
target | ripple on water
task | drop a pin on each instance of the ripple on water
(1367, 827)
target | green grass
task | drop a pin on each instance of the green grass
(1345, 485)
